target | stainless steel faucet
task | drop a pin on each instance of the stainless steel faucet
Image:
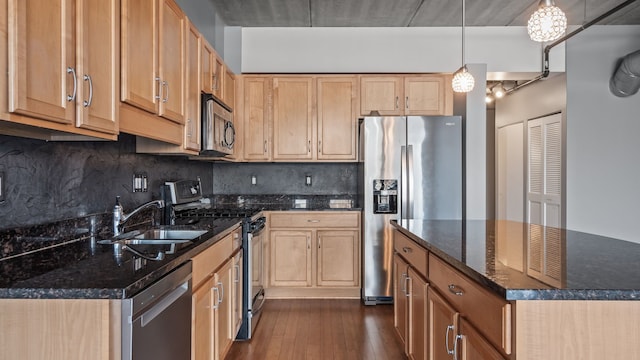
(119, 217)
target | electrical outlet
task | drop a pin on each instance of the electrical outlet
(1, 186)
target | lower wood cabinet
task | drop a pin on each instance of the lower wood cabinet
(410, 311)
(314, 254)
(216, 295)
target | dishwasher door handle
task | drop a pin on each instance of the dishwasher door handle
(163, 304)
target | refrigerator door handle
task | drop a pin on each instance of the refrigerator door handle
(403, 183)
(409, 182)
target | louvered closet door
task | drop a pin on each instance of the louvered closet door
(544, 198)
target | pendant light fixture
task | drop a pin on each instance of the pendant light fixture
(462, 81)
(548, 23)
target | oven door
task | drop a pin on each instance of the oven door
(253, 280)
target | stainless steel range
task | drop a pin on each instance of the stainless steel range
(187, 207)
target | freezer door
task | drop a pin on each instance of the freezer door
(380, 139)
(434, 157)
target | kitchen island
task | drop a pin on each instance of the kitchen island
(520, 291)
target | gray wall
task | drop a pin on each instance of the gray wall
(204, 16)
(285, 178)
(49, 181)
(603, 171)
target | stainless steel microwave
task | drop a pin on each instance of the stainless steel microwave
(218, 134)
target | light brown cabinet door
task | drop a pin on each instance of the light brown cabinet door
(208, 54)
(237, 294)
(257, 118)
(337, 118)
(192, 124)
(98, 58)
(224, 316)
(383, 94)
(337, 258)
(418, 308)
(203, 302)
(42, 64)
(473, 346)
(218, 77)
(293, 118)
(171, 61)
(425, 95)
(290, 263)
(229, 93)
(400, 304)
(443, 327)
(139, 58)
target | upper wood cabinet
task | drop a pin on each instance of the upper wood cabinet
(337, 118)
(153, 60)
(208, 54)
(256, 112)
(192, 125)
(293, 118)
(63, 62)
(229, 90)
(406, 95)
(218, 76)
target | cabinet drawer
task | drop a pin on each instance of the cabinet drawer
(416, 255)
(314, 219)
(207, 261)
(486, 311)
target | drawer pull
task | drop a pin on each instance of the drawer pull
(456, 290)
(446, 339)
(313, 221)
(407, 250)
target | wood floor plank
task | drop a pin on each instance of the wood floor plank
(321, 329)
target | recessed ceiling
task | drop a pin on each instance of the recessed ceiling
(402, 13)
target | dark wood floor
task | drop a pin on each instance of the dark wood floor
(321, 329)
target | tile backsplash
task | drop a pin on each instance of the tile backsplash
(51, 181)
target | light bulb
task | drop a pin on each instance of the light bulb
(498, 91)
(488, 99)
(462, 81)
(548, 23)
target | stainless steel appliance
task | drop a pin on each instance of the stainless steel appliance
(253, 299)
(411, 168)
(156, 323)
(218, 133)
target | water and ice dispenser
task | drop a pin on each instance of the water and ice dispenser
(385, 196)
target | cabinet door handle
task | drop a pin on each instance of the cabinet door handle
(397, 102)
(407, 250)
(308, 243)
(221, 293)
(455, 346)
(319, 242)
(216, 297)
(456, 290)
(215, 82)
(446, 340)
(408, 280)
(265, 146)
(404, 283)
(189, 128)
(406, 102)
(313, 221)
(319, 146)
(309, 147)
(72, 71)
(159, 96)
(87, 103)
(237, 279)
(166, 84)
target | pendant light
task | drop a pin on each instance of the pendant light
(462, 81)
(548, 23)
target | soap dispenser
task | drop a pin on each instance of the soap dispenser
(117, 216)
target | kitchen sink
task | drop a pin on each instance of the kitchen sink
(169, 235)
(155, 237)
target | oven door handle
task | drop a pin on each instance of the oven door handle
(163, 304)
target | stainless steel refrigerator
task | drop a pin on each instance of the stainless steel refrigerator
(410, 168)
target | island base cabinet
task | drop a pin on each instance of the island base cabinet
(60, 329)
(400, 306)
(443, 324)
(585, 330)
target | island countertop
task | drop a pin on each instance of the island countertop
(519, 261)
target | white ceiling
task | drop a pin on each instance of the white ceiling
(402, 13)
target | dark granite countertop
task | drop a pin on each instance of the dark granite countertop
(82, 268)
(287, 202)
(498, 255)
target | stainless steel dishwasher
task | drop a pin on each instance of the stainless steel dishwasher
(156, 323)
